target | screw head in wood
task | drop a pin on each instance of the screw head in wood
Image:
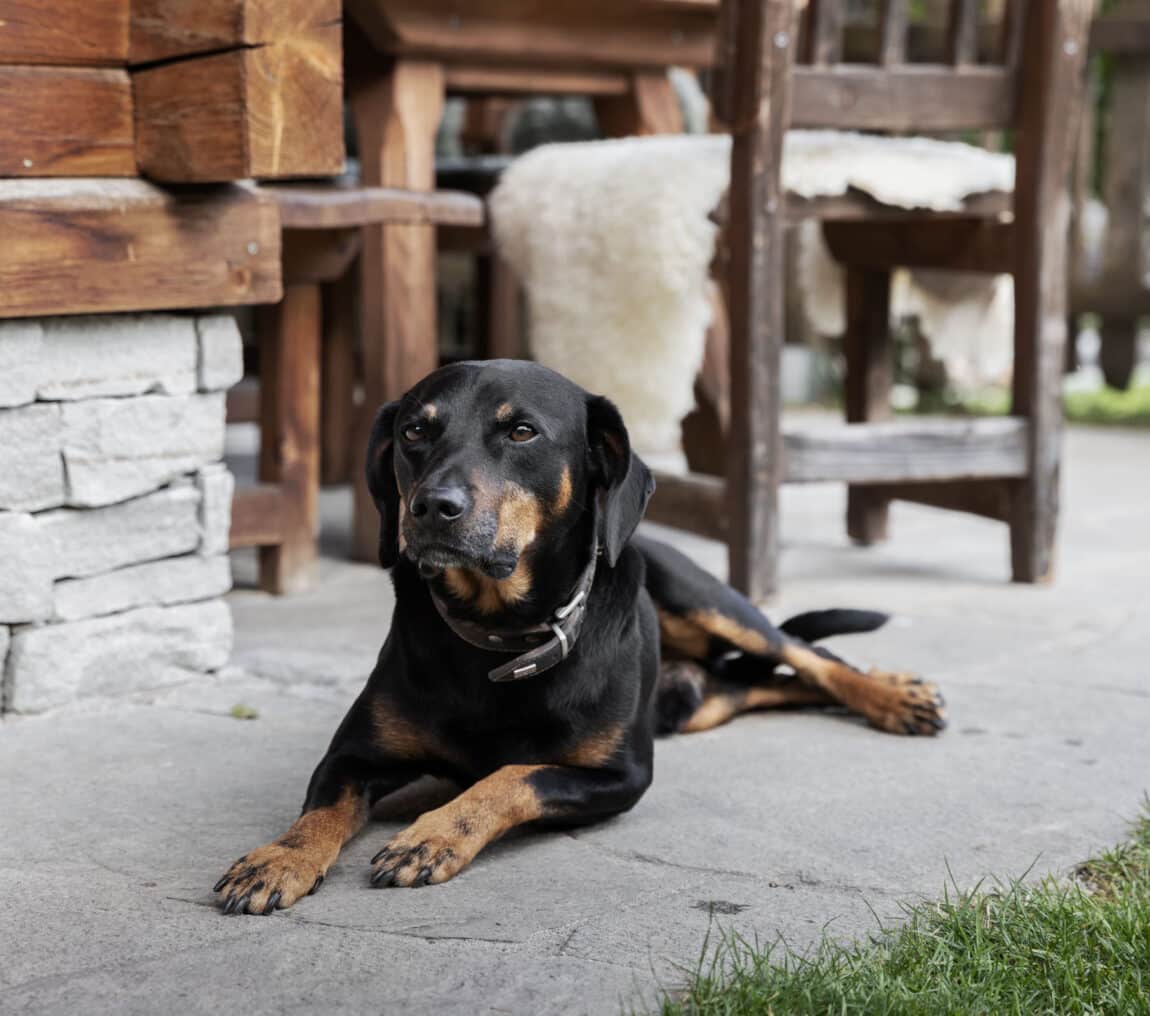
(27, 163)
(782, 40)
(1070, 47)
(253, 248)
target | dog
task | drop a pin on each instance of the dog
(537, 645)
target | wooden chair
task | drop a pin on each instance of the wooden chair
(309, 336)
(775, 73)
(1120, 294)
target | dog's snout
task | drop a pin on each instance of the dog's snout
(440, 504)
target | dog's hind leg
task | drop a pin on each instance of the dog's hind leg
(690, 699)
(702, 619)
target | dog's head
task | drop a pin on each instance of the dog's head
(481, 464)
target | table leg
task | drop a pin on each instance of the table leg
(397, 116)
(650, 106)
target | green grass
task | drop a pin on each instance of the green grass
(1055, 947)
(1106, 406)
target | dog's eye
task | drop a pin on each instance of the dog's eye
(413, 432)
(522, 432)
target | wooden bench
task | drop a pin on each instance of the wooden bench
(313, 328)
(775, 73)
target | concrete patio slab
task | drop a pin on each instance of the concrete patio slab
(115, 820)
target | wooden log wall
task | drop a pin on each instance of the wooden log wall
(180, 91)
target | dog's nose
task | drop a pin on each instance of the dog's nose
(440, 504)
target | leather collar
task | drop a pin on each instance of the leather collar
(538, 647)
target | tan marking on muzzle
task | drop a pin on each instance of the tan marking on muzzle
(520, 516)
(430, 411)
(503, 413)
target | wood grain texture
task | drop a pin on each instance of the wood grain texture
(649, 106)
(893, 24)
(323, 206)
(96, 246)
(397, 115)
(257, 515)
(1052, 86)
(480, 79)
(760, 112)
(64, 32)
(907, 98)
(162, 29)
(65, 121)
(273, 111)
(289, 434)
(903, 451)
(928, 241)
(600, 33)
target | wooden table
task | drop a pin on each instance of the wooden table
(616, 51)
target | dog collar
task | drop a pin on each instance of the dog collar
(539, 647)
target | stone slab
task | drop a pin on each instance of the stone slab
(115, 449)
(26, 567)
(21, 346)
(136, 651)
(89, 541)
(217, 486)
(86, 357)
(31, 468)
(157, 583)
(221, 353)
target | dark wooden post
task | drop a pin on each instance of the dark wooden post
(869, 377)
(1052, 80)
(759, 94)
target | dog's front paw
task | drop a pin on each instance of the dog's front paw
(913, 706)
(267, 879)
(420, 855)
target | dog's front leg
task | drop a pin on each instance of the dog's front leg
(279, 873)
(441, 843)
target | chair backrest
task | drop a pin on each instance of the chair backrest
(872, 85)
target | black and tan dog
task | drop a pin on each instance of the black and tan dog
(537, 646)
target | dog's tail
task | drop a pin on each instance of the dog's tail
(821, 624)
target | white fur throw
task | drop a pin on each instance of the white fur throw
(612, 241)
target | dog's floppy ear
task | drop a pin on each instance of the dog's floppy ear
(623, 477)
(381, 482)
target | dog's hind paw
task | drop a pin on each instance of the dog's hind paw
(914, 707)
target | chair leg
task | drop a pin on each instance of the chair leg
(755, 271)
(650, 106)
(289, 433)
(1118, 353)
(1052, 84)
(337, 428)
(869, 377)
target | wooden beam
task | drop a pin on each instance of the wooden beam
(601, 33)
(962, 32)
(479, 79)
(694, 502)
(953, 244)
(905, 451)
(1123, 29)
(289, 433)
(869, 355)
(322, 206)
(271, 111)
(89, 33)
(910, 97)
(827, 28)
(1053, 81)
(65, 121)
(96, 246)
(162, 29)
(257, 516)
(893, 26)
(755, 240)
(989, 499)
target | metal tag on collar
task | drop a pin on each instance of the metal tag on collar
(565, 611)
(564, 645)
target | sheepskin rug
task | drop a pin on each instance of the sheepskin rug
(613, 240)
